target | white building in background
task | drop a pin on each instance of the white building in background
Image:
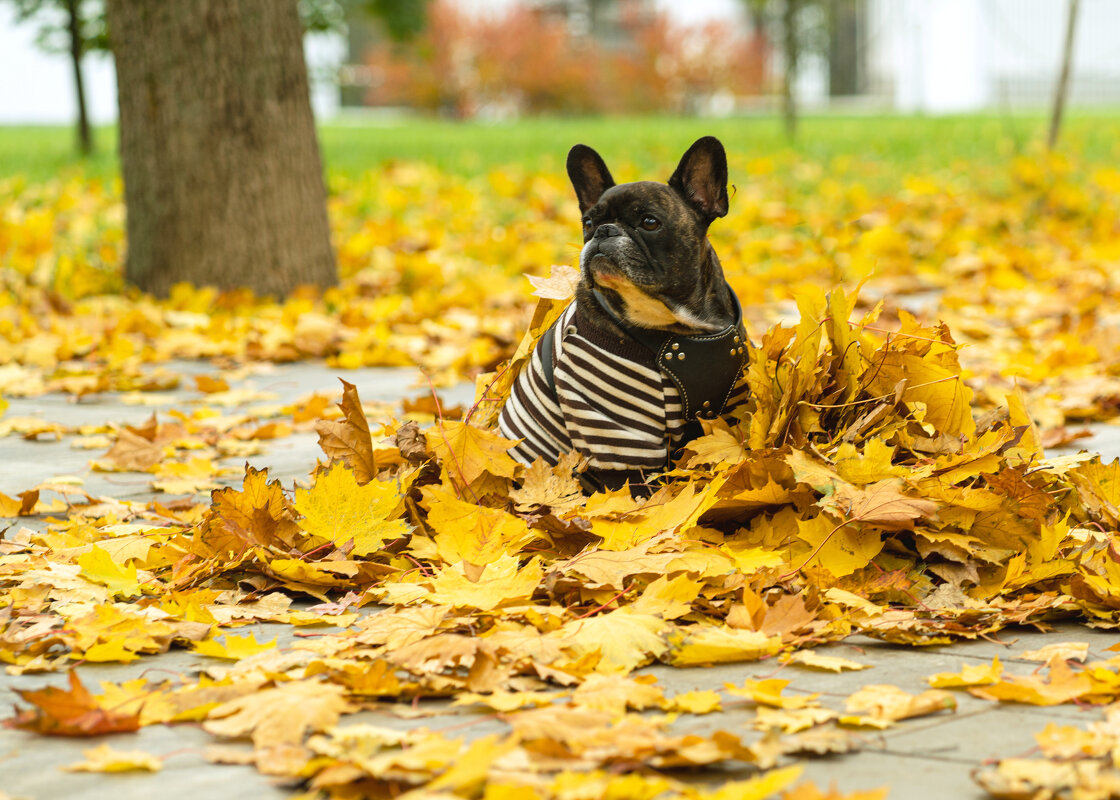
(941, 56)
(931, 56)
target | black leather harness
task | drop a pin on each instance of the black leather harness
(704, 369)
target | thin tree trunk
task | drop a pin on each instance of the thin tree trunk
(85, 138)
(791, 53)
(1062, 88)
(223, 181)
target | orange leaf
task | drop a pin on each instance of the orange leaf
(73, 712)
(209, 385)
(256, 515)
(18, 507)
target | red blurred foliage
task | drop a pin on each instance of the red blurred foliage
(523, 61)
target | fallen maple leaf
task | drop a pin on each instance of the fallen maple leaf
(355, 517)
(882, 504)
(103, 758)
(559, 285)
(970, 675)
(349, 440)
(234, 648)
(467, 452)
(281, 715)
(884, 705)
(72, 712)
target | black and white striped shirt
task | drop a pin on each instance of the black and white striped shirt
(611, 403)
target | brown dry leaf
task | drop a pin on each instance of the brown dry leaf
(882, 504)
(281, 715)
(349, 440)
(257, 515)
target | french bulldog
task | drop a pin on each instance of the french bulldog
(654, 340)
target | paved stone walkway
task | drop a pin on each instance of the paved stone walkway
(930, 757)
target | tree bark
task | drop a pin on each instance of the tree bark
(222, 176)
(85, 138)
(1063, 78)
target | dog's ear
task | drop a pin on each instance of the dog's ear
(589, 175)
(701, 178)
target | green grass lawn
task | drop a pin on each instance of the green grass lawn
(907, 143)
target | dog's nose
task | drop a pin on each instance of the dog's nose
(607, 230)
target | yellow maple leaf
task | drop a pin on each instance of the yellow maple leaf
(668, 598)
(768, 692)
(940, 390)
(355, 517)
(559, 285)
(699, 701)
(836, 546)
(712, 644)
(99, 567)
(556, 488)
(196, 475)
(791, 720)
(471, 769)
(884, 705)
(720, 446)
(871, 465)
(234, 648)
(500, 582)
(813, 660)
(467, 451)
(467, 532)
(1062, 685)
(625, 640)
(105, 759)
(970, 675)
(281, 715)
(758, 788)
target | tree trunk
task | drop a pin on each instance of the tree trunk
(85, 138)
(1063, 78)
(791, 51)
(222, 176)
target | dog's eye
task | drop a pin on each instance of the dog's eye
(650, 223)
(587, 223)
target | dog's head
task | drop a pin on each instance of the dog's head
(646, 255)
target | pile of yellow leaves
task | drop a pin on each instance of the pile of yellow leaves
(856, 492)
(882, 480)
